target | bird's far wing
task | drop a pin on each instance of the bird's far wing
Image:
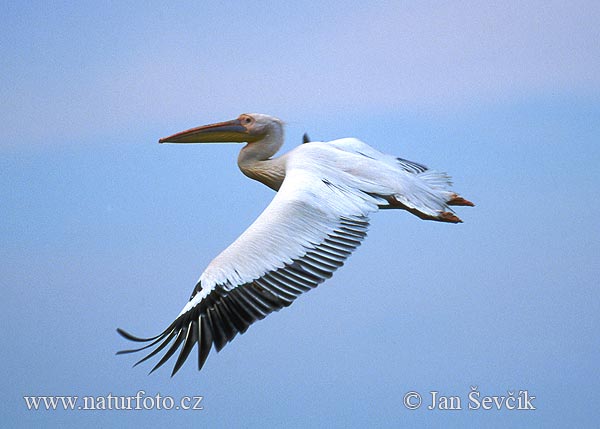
(301, 238)
(361, 148)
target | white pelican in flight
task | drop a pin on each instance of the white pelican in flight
(326, 192)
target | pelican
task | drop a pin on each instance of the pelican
(326, 193)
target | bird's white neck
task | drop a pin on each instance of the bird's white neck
(255, 159)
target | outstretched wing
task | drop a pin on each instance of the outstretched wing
(301, 238)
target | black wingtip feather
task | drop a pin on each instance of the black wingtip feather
(126, 352)
(131, 337)
(219, 336)
(180, 336)
(204, 342)
(165, 342)
(190, 339)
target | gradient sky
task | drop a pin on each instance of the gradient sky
(103, 228)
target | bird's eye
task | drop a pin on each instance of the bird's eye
(247, 120)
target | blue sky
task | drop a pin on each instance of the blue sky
(103, 228)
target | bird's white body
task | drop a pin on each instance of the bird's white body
(306, 207)
(320, 214)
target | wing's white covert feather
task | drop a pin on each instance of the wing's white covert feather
(302, 213)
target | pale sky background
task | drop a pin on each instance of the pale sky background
(103, 228)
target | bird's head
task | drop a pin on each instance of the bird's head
(248, 127)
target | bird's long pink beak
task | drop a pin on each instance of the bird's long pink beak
(230, 131)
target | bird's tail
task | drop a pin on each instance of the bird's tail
(428, 196)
